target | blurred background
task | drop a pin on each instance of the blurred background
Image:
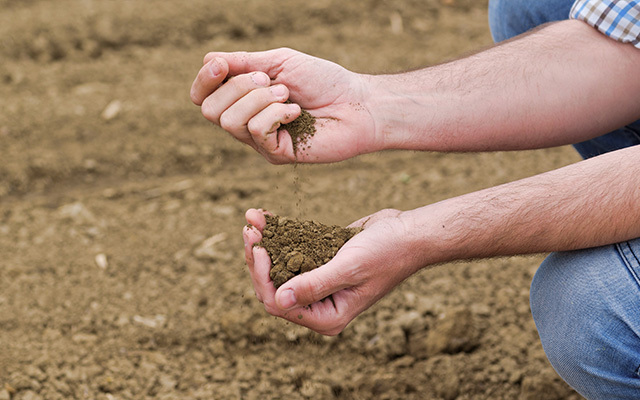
(121, 264)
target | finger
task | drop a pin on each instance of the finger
(313, 286)
(283, 154)
(251, 235)
(256, 217)
(236, 118)
(243, 62)
(208, 79)
(264, 126)
(262, 283)
(226, 95)
(257, 256)
(328, 316)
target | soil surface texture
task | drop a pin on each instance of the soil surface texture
(122, 272)
(301, 129)
(296, 247)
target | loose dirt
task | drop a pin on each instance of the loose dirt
(296, 247)
(301, 129)
(122, 273)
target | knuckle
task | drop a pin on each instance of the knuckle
(236, 83)
(389, 212)
(260, 78)
(194, 97)
(314, 289)
(356, 273)
(255, 127)
(286, 51)
(228, 122)
(208, 111)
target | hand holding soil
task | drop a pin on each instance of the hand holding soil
(253, 105)
(327, 298)
(296, 247)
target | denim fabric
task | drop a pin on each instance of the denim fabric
(586, 304)
(509, 18)
(624, 137)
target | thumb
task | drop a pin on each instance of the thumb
(318, 284)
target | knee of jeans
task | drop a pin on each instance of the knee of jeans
(584, 304)
(504, 16)
(562, 305)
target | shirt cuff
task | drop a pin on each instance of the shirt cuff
(618, 19)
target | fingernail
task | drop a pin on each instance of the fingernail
(260, 79)
(287, 299)
(279, 90)
(214, 67)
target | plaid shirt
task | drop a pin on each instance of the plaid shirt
(618, 19)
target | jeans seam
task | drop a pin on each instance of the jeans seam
(627, 262)
(633, 132)
(636, 257)
(630, 268)
(632, 252)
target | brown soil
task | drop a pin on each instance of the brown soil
(121, 260)
(296, 247)
(301, 129)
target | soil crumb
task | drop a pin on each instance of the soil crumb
(301, 129)
(296, 246)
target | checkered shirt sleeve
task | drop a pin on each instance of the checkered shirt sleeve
(618, 19)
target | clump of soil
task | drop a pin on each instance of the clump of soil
(296, 246)
(301, 129)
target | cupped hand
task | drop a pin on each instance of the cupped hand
(245, 93)
(327, 298)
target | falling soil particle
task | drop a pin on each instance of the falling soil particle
(301, 129)
(296, 246)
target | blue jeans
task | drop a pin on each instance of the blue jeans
(585, 303)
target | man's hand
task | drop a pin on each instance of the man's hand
(245, 94)
(366, 268)
(539, 90)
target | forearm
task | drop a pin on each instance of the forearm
(562, 84)
(587, 204)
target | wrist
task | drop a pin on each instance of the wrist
(435, 234)
(403, 109)
(420, 247)
(371, 92)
